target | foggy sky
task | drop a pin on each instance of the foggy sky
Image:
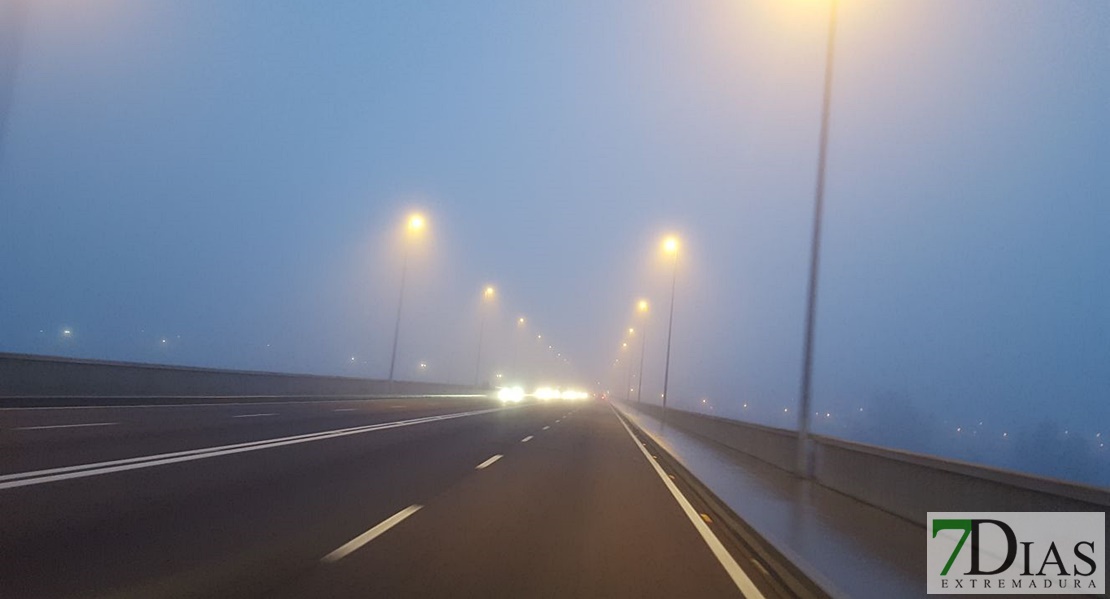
(230, 177)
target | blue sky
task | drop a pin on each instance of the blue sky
(227, 176)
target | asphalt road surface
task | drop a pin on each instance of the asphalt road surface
(432, 497)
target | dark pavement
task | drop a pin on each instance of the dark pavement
(578, 510)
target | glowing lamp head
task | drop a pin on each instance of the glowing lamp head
(631, 331)
(520, 321)
(416, 223)
(670, 245)
(642, 306)
(489, 292)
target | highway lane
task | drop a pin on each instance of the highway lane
(572, 507)
(35, 438)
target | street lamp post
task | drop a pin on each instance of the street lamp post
(517, 342)
(642, 308)
(487, 295)
(13, 22)
(628, 371)
(670, 246)
(415, 226)
(805, 460)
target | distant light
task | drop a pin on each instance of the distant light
(670, 245)
(489, 292)
(498, 375)
(163, 340)
(827, 415)
(785, 410)
(423, 365)
(704, 401)
(631, 331)
(513, 394)
(959, 429)
(416, 222)
(624, 344)
(573, 395)
(520, 320)
(1005, 434)
(67, 332)
(352, 358)
(745, 405)
(539, 336)
(642, 306)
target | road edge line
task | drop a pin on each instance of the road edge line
(740, 578)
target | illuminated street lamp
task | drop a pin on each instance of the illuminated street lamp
(642, 309)
(628, 369)
(519, 339)
(805, 461)
(670, 247)
(413, 229)
(488, 295)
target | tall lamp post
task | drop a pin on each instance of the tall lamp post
(521, 329)
(414, 228)
(805, 461)
(627, 370)
(642, 308)
(670, 247)
(487, 296)
(13, 22)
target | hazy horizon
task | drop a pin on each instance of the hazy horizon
(222, 184)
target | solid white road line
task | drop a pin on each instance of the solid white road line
(526, 439)
(39, 428)
(254, 415)
(38, 477)
(370, 535)
(488, 462)
(736, 573)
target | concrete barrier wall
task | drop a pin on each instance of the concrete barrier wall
(41, 376)
(776, 446)
(911, 485)
(902, 483)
